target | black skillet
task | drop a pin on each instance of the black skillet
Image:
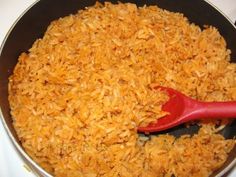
(33, 23)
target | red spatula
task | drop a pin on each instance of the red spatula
(183, 109)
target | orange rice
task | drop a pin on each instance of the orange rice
(79, 94)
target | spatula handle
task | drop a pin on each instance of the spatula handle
(218, 109)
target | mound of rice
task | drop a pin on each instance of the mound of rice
(79, 94)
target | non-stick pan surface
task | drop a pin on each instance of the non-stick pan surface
(33, 23)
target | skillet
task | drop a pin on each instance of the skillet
(33, 23)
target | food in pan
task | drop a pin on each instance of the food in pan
(79, 94)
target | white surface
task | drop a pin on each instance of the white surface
(10, 163)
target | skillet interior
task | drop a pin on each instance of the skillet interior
(34, 22)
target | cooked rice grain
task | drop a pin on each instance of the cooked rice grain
(80, 92)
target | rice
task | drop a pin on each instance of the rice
(79, 94)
